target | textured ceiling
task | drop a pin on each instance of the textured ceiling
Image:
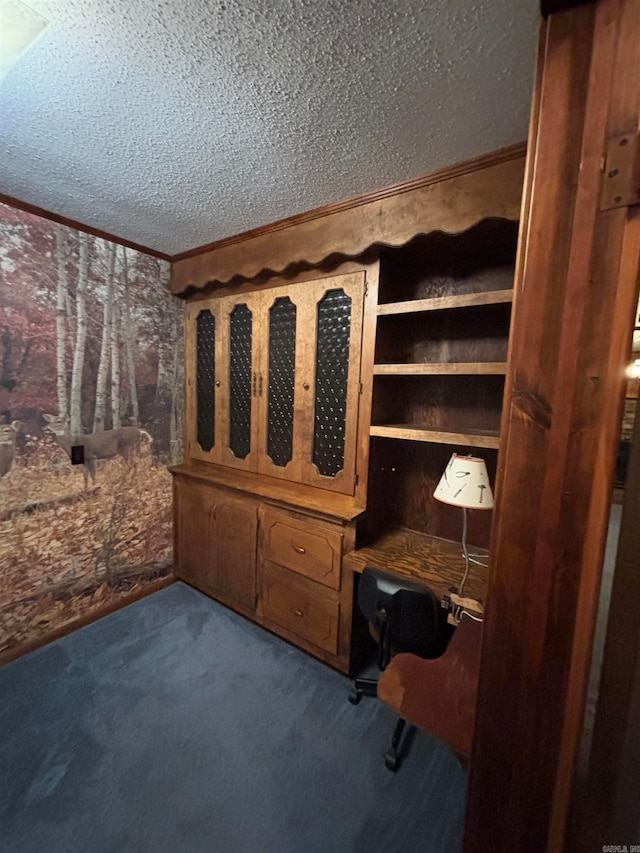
(172, 124)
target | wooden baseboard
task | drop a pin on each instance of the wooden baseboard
(31, 645)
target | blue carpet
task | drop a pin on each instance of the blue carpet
(175, 725)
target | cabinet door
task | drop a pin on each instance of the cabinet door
(236, 526)
(195, 559)
(216, 542)
(330, 381)
(279, 391)
(277, 381)
(203, 380)
(238, 373)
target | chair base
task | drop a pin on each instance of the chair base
(399, 747)
(363, 687)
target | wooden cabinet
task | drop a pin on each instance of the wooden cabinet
(281, 568)
(216, 542)
(274, 379)
(324, 402)
(300, 578)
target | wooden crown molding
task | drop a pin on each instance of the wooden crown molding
(508, 153)
(450, 200)
(80, 226)
(511, 152)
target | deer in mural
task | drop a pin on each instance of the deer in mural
(8, 433)
(126, 442)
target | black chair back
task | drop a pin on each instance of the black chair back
(406, 616)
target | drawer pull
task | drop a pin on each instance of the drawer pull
(298, 549)
(297, 612)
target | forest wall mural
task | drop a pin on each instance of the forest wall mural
(91, 356)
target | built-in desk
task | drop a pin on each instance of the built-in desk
(437, 562)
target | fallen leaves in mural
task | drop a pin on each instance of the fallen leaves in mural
(66, 552)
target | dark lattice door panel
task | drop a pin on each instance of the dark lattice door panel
(282, 369)
(240, 355)
(332, 373)
(205, 379)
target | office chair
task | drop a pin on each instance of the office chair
(403, 616)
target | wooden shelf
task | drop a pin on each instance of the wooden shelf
(437, 562)
(474, 368)
(446, 303)
(410, 432)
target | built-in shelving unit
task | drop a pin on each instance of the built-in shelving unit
(324, 402)
(442, 337)
(442, 333)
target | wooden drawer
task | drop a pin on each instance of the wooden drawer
(303, 547)
(293, 604)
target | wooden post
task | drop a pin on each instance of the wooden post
(576, 288)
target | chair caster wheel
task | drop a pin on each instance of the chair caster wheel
(392, 761)
(354, 696)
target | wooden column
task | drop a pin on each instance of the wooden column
(576, 288)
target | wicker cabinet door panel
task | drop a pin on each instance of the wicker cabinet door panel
(240, 334)
(203, 380)
(277, 379)
(331, 383)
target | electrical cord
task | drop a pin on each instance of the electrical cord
(464, 550)
(471, 616)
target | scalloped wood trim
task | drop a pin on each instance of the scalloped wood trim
(451, 200)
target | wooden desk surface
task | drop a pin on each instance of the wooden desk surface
(437, 562)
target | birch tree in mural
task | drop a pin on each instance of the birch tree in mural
(91, 339)
(177, 383)
(164, 383)
(128, 334)
(105, 347)
(62, 300)
(115, 369)
(75, 409)
(162, 324)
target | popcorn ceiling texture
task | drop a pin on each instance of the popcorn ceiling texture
(172, 124)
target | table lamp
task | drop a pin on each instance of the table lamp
(465, 483)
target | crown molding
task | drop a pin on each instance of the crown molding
(511, 152)
(80, 226)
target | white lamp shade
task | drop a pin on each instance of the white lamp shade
(465, 482)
